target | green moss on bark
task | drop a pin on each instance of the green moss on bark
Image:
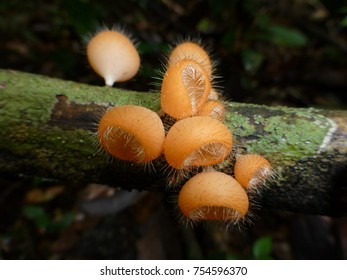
(281, 133)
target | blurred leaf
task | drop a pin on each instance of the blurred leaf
(262, 248)
(228, 40)
(33, 211)
(251, 60)
(343, 10)
(34, 195)
(37, 214)
(43, 220)
(285, 36)
(38, 195)
(343, 22)
(205, 25)
(63, 222)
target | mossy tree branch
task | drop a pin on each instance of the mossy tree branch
(47, 125)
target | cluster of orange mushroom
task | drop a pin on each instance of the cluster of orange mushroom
(196, 138)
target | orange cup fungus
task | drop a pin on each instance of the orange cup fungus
(214, 94)
(184, 89)
(214, 109)
(197, 141)
(132, 133)
(192, 51)
(213, 196)
(113, 56)
(251, 170)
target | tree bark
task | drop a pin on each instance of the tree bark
(47, 129)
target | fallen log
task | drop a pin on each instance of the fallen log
(47, 129)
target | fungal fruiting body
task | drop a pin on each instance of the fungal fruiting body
(214, 109)
(113, 56)
(197, 141)
(252, 170)
(132, 133)
(213, 196)
(192, 51)
(214, 94)
(184, 89)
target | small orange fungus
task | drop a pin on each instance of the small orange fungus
(214, 109)
(214, 94)
(193, 51)
(213, 196)
(251, 170)
(197, 141)
(184, 89)
(132, 133)
(113, 56)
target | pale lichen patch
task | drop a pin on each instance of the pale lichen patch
(328, 136)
